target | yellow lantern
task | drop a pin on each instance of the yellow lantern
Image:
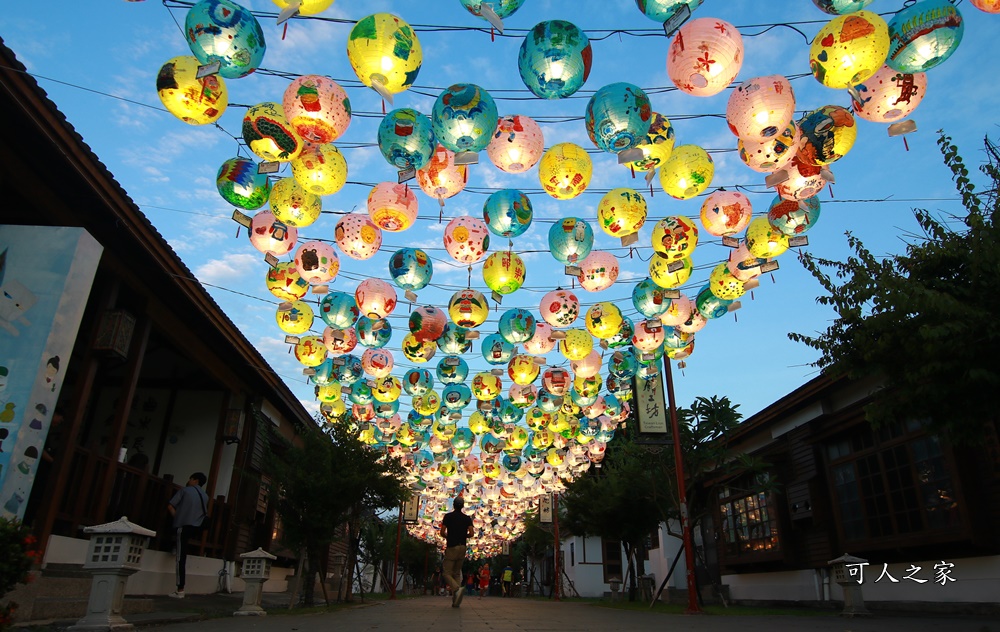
(427, 404)
(486, 386)
(656, 146)
(666, 272)
(675, 237)
(764, 241)
(588, 386)
(385, 53)
(321, 169)
(387, 389)
(565, 171)
(468, 308)
(418, 351)
(603, 320)
(555, 457)
(268, 133)
(621, 212)
(542, 439)
(285, 282)
(337, 408)
(305, 7)
(478, 423)
(723, 284)
(292, 204)
(327, 393)
(192, 100)
(310, 351)
(687, 173)
(522, 369)
(295, 320)
(849, 49)
(504, 272)
(577, 344)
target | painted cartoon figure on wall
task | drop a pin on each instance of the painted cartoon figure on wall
(15, 300)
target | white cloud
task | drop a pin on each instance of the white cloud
(227, 270)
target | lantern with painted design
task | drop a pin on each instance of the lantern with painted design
(194, 101)
(317, 262)
(804, 180)
(418, 351)
(270, 235)
(411, 268)
(454, 339)
(441, 178)
(317, 108)
(468, 308)
(517, 144)
(241, 184)
(225, 32)
(517, 325)
(507, 213)
(646, 338)
(504, 272)
(554, 60)
(670, 273)
(371, 337)
(827, 134)
(743, 265)
(340, 341)
(384, 52)
(710, 305)
(621, 212)
(285, 282)
(452, 370)
(427, 404)
(310, 351)
(464, 117)
(687, 173)
(656, 146)
(339, 310)
(603, 320)
(987, 6)
(725, 213)
(923, 35)
(577, 344)
(321, 169)
(417, 381)
(723, 284)
(393, 207)
(559, 308)
(888, 95)
(598, 271)
(648, 299)
(849, 49)
(761, 107)
(841, 7)
(293, 205)
(406, 139)
(357, 236)
(522, 369)
(618, 117)
(705, 56)
(624, 334)
(523, 396)
(793, 217)
(541, 342)
(377, 362)
(376, 298)
(565, 170)
(570, 240)
(466, 239)
(456, 397)
(486, 386)
(770, 154)
(269, 135)
(496, 350)
(350, 371)
(675, 237)
(763, 241)
(427, 323)
(295, 320)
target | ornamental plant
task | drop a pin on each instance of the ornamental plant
(18, 553)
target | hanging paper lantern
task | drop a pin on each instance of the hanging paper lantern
(427, 323)
(285, 282)
(770, 154)
(793, 217)
(496, 350)
(418, 381)
(618, 117)
(743, 265)
(223, 31)
(350, 371)
(603, 320)
(321, 169)
(623, 364)
(621, 212)
(517, 325)
(556, 382)
(393, 207)
(522, 369)
(923, 35)
(598, 271)
(339, 310)
(317, 262)
(705, 56)
(268, 235)
(293, 205)
(648, 299)
(309, 351)
(384, 52)
(849, 49)
(406, 139)
(411, 269)
(304, 7)
(502, 8)
(452, 370)
(466, 239)
(540, 343)
(317, 108)
(192, 100)
(624, 334)
(357, 236)
(656, 145)
(723, 284)
(456, 397)
(295, 320)
(441, 178)
(464, 117)
(240, 184)
(841, 7)
(888, 95)
(804, 181)
(454, 339)
(646, 339)
(987, 6)
(761, 107)
(269, 135)
(827, 134)
(376, 298)
(523, 396)
(565, 171)
(368, 335)
(570, 240)
(763, 241)
(687, 173)
(725, 213)
(418, 351)
(507, 213)
(486, 386)
(587, 367)
(577, 344)
(340, 341)
(468, 308)
(711, 306)
(504, 272)
(554, 59)
(675, 237)
(662, 10)
(559, 308)
(427, 404)
(517, 144)
(587, 387)
(326, 393)
(377, 362)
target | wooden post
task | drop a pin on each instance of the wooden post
(555, 518)
(395, 567)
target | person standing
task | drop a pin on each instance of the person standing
(456, 529)
(507, 578)
(484, 580)
(189, 509)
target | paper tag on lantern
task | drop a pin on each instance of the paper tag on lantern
(573, 271)
(735, 305)
(630, 155)
(579, 232)
(496, 372)
(752, 284)
(540, 361)
(208, 69)
(466, 158)
(603, 344)
(556, 335)
(856, 95)
(320, 289)
(646, 357)
(292, 340)
(289, 11)
(472, 335)
(558, 401)
(649, 176)
(242, 219)
(769, 266)
(490, 16)
(827, 175)
(776, 178)
(339, 361)
(326, 408)
(285, 306)
(672, 294)
(731, 242)
(628, 240)
(382, 91)
(271, 260)
(308, 371)
(798, 242)
(384, 408)
(455, 416)
(370, 383)
(337, 334)
(654, 325)
(405, 175)
(675, 21)
(484, 405)
(682, 364)
(377, 324)
(618, 356)
(268, 167)
(674, 266)
(902, 127)
(498, 297)
(410, 296)
(452, 361)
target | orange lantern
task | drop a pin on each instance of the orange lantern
(393, 207)
(441, 178)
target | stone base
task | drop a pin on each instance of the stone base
(260, 612)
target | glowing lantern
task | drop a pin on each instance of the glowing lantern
(621, 212)
(455, 397)
(406, 139)
(517, 144)
(646, 339)
(339, 310)
(587, 386)
(223, 31)
(468, 308)
(452, 370)
(623, 336)
(427, 404)
(540, 343)
(293, 205)
(565, 171)
(268, 133)
(556, 381)
(427, 323)
(496, 350)
(268, 235)
(763, 241)
(770, 154)
(656, 145)
(385, 53)
(517, 325)
(554, 60)
(705, 56)
(523, 396)
(328, 392)
(464, 117)
(502, 8)
(317, 108)
(486, 386)
(309, 351)
(522, 369)
(393, 207)
(570, 240)
(340, 341)
(504, 272)
(418, 351)
(411, 269)
(598, 271)
(295, 320)
(669, 273)
(357, 236)
(507, 213)
(454, 339)
(987, 6)
(804, 181)
(743, 265)
(840, 7)
(417, 381)
(849, 49)
(760, 107)
(623, 364)
(376, 298)
(350, 371)
(441, 178)
(321, 169)
(888, 95)
(240, 184)
(725, 213)
(559, 308)
(648, 299)
(466, 239)
(577, 344)
(828, 133)
(603, 320)
(923, 35)
(709, 305)
(687, 172)
(368, 335)
(675, 237)
(317, 262)
(618, 117)
(285, 282)
(723, 284)
(793, 217)
(192, 100)
(377, 362)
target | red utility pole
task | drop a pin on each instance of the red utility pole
(555, 517)
(395, 567)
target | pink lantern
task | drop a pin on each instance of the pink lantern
(679, 311)
(771, 154)
(357, 236)
(340, 341)
(393, 207)
(427, 323)
(376, 299)
(596, 409)
(725, 213)
(540, 343)
(743, 265)
(268, 235)
(517, 144)
(695, 323)
(705, 56)
(317, 262)
(377, 362)
(761, 107)
(587, 367)
(317, 108)
(889, 95)
(466, 239)
(363, 412)
(598, 271)
(646, 339)
(559, 308)
(441, 178)
(556, 381)
(804, 181)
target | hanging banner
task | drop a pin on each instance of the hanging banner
(411, 509)
(545, 509)
(650, 405)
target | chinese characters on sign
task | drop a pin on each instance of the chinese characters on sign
(411, 510)
(545, 508)
(650, 406)
(941, 573)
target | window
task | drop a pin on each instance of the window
(748, 521)
(612, 550)
(572, 555)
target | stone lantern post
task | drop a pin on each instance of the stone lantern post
(256, 569)
(854, 602)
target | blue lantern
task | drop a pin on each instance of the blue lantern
(370, 337)
(554, 60)
(420, 422)
(223, 31)
(385, 410)
(453, 340)
(612, 407)
(841, 7)
(339, 310)
(623, 364)
(406, 139)
(503, 8)
(507, 213)
(923, 35)
(709, 305)
(570, 240)
(456, 397)
(361, 393)
(411, 268)
(548, 402)
(793, 217)
(323, 375)
(452, 370)
(617, 386)
(517, 325)
(417, 382)
(496, 350)
(509, 413)
(464, 118)
(618, 117)
(663, 10)
(581, 400)
(350, 371)
(647, 297)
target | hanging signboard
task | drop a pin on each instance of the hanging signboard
(545, 509)
(650, 406)
(411, 509)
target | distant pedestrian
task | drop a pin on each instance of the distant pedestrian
(484, 580)
(456, 529)
(507, 578)
(189, 510)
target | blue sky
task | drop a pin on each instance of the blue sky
(98, 62)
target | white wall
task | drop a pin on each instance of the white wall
(191, 434)
(587, 576)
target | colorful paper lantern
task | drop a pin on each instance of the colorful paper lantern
(464, 117)
(827, 134)
(466, 239)
(577, 344)
(987, 6)
(598, 271)
(889, 95)
(377, 362)
(468, 308)
(623, 336)
(570, 240)
(406, 139)
(849, 49)
(285, 282)
(310, 351)
(517, 325)
(317, 108)
(340, 341)
(502, 8)
(763, 241)
(268, 134)
(504, 272)
(269, 235)
(321, 169)
(411, 269)
(565, 171)
(647, 339)
(621, 212)
(841, 7)
(418, 351)
(507, 213)
(618, 117)
(486, 386)
(194, 101)
(623, 364)
(241, 184)
(441, 178)
(522, 370)
(923, 35)
(559, 308)
(725, 213)
(293, 205)
(662, 10)
(393, 207)
(456, 397)
(705, 56)
(427, 404)
(540, 343)
(648, 298)
(687, 173)
(743, 265)
(603, 320)
(587, 367)
(223, 31)
(339, 310)
(723, 284)
(771, 154)
(517, 144)
(376, 298)
(675, 237)
(357, 236)
(496, 350)
(452, 370)
(427, 323)
(384, 51)
(317, 262)
(418, 382)
(371, 337)
(709, 305)
(793, 217)
(350, 371)
(556, 382)
(554, 59)
(454, 339)
(761, 107)
(656, 145)
(804, 181)
(295, 320)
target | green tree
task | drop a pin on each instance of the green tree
(922, 323)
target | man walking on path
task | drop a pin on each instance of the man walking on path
(456, 529)
(189, 509)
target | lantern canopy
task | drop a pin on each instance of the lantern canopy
(504, 272)
(598, 271)
(570, 240)
(384, 52)
(888, 95)
(321, 169)
(507, 213)
(269, 135)
(441, 178)
(317, 262)
(517, 144)
(760, 107)
(554, 59)
(618, 117)
(464, 118)
(411, 269)
(393, 207)
(241, 184)
(466, 239)
(705, 56)
(270, 235)
(849, 49)
(223, 31)
(194, 101)
(406, 139)
(621, 212)
(687, 173)
(317, 108)
(565, 171)
(725, 213)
